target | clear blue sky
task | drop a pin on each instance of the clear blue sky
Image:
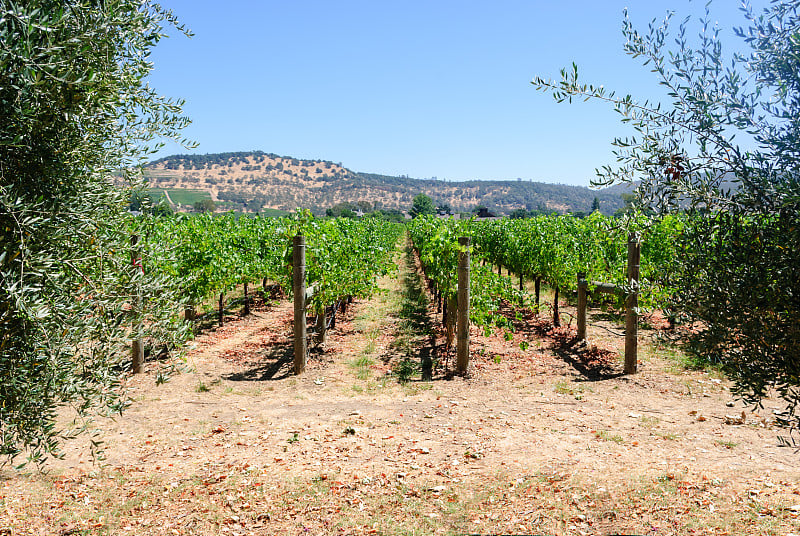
(420, 88)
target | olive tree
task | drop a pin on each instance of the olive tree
(75, 115)
(724, 152)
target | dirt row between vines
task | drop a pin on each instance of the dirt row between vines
(549, 440)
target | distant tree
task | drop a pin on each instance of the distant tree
(422, 204)
(162, 209)
(479, 208)
(344, 209)
(518, 214)
(365, 206)
(444, 208)
(595, 204)
(391, 214)
(206, 205)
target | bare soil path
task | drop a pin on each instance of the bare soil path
(549, 440)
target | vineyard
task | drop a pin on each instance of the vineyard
(364, 440)
(208, 256)
(231, 375)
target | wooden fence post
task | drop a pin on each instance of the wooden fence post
(137, 348)
(462, 330)
(536, 288)
(632, 305)
(582, 286)
(221, 306)
(299, 288)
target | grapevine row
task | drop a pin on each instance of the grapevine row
(436, 242)
(208, 255)
(555, 249)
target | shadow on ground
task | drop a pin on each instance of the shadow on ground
(275, 363)
(591, 362)
(415, 340)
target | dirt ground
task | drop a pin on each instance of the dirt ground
(552, 439)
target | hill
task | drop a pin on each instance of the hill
(256, 181)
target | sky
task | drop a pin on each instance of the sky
(434, 88)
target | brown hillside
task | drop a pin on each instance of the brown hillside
(255, 181)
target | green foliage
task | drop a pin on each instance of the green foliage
(392, 215)
(150, 203)
(422, 204)
(734, 274)
(345, 257)
(342, 210)
(206, 205)
(75, 109)
(405, 369)
(556, 248)
(209, 254)
(436, 240)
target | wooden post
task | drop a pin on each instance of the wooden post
(582, 287)
(462, 330)
(521, 282)
(632, 305)
(137, 348)
(536, 291)
(221, 308)
(189, 313)
(556, 319)
(246, 300)
(299, 288)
